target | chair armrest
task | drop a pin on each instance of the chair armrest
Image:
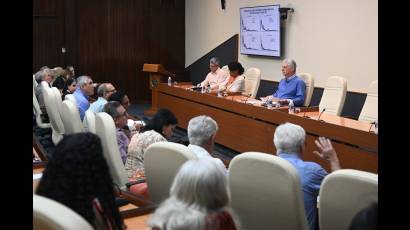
(131, 183)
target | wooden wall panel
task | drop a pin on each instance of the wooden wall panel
(110, 40)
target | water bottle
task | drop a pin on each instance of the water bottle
(208, 89)
(169, 81)
(291, 107)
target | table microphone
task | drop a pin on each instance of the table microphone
(247, 97)
(304, 114)
(323, 110)
(371, 125)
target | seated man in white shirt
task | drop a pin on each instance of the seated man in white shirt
(201, 134)
(216, 76)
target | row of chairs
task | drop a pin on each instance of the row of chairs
(265, 189)
(333, 97)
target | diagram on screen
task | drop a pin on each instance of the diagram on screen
(260, 30)
(250, 23)
(267, 23)
(251, 41)
(268, 42)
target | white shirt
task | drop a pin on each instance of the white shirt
(215, 79)
(201, 153)
(238, 85)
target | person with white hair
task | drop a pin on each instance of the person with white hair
(216, 76)
(199, 199)
(201, 134)
(104, 91)
(42, 75)
(289, 140)
(85, 89)
(292, 88)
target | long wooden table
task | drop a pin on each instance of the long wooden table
(246, 127)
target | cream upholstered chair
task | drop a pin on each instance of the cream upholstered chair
(334, 95)
(38, 113)
(226, 69)
(71, 118)
(34, 82)
(266, 192)
(310, 86)
(162, 162)
(370, 108)
(106, 132)
(57, 98)
(89, 121)
(57, 125)
(51, 215)
(252, 81)
(343, 194)
(71, 98)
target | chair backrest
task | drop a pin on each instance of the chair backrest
(252, 81)
(71, 98)
(226, 69)
(343, 194)
(57, 125)
(34, 82)
(310, 86)
(51, 215)
(71, 118)
(57, 98)
(334, 95)
(370, 108)
(106, 132)
(89, 121)
(266, 192)
(162, 161)
(38, 113)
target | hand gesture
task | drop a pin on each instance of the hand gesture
(326, 150)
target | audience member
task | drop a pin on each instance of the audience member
(119, 115)
(84, 90)
(158, 129)
(104, 91)
(366, 219)
(289, 140)
(121, 97)
(69, 87)
(200, 187)
(42, 75)
(78, 176)
(201, 134)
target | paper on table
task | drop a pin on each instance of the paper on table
(37, 176)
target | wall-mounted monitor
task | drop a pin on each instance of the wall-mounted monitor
(260, 30)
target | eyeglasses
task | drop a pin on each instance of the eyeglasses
(111, 91)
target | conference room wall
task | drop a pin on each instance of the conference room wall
(325, 37)
(110, 40)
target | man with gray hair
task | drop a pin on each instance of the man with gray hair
(291, 88)
(42, 75)
(289, 140)
(104, 91)
(85, 88)
(216, 76)
(201, 134)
